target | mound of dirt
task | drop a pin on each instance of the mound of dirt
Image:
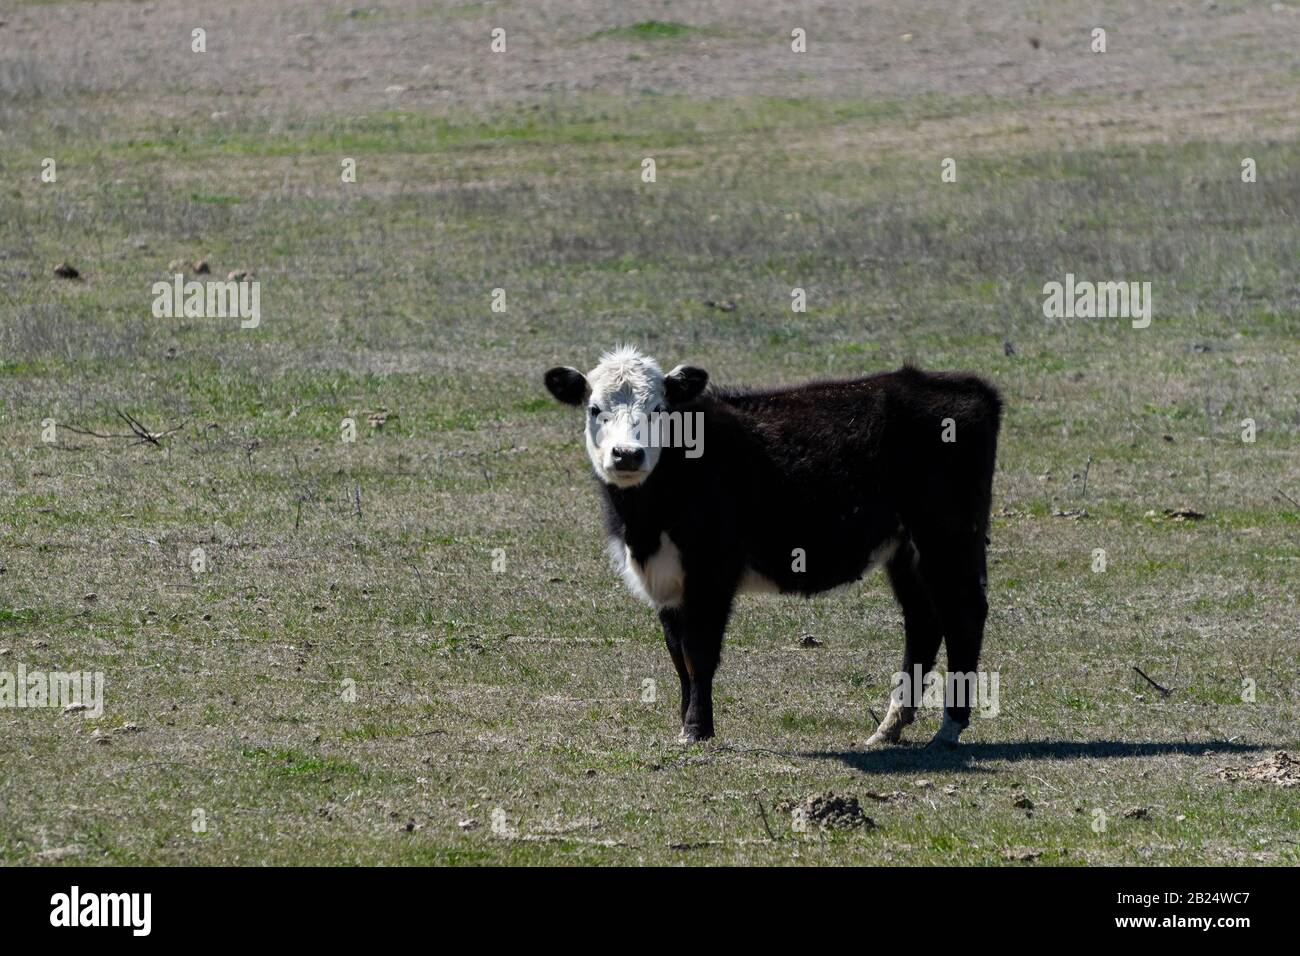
(1281, 769)
(828, 811)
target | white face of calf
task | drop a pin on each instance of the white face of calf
(622, 395)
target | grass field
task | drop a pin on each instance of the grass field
(350, 680)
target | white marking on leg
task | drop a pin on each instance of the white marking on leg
(890, 730)
(948, 733)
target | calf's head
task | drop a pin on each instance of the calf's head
(622, 395)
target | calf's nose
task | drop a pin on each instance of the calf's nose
(628, 458)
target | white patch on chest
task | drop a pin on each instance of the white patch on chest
(660, 581)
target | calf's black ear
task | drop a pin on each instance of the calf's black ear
(684, 383)
(568, 385)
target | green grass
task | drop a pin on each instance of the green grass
(598, 122)
(648, 30)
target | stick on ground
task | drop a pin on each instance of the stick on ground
(1162, 690)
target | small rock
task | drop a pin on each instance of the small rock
(65, 271)
(807, 640)
(889, 797)
(61, 852)
(468, 824)
(1022, 855)
(1022, 802)
(201, 267)
(1137, 813)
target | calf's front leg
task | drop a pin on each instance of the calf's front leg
(674, 634)
(696, 628)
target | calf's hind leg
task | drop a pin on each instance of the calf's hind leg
(923, 631)
(960, 583)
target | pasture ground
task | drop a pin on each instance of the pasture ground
(518, 693)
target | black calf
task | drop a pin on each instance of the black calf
(805, 488)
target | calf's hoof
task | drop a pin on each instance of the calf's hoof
(884, 736)
(946, 738)
(694, 735)
(890, 730)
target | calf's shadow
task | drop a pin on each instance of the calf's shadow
(967, 756)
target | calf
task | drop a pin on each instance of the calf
(795, 490)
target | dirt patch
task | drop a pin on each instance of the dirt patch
(291, 57)
(1281, 769)
(828, 811)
